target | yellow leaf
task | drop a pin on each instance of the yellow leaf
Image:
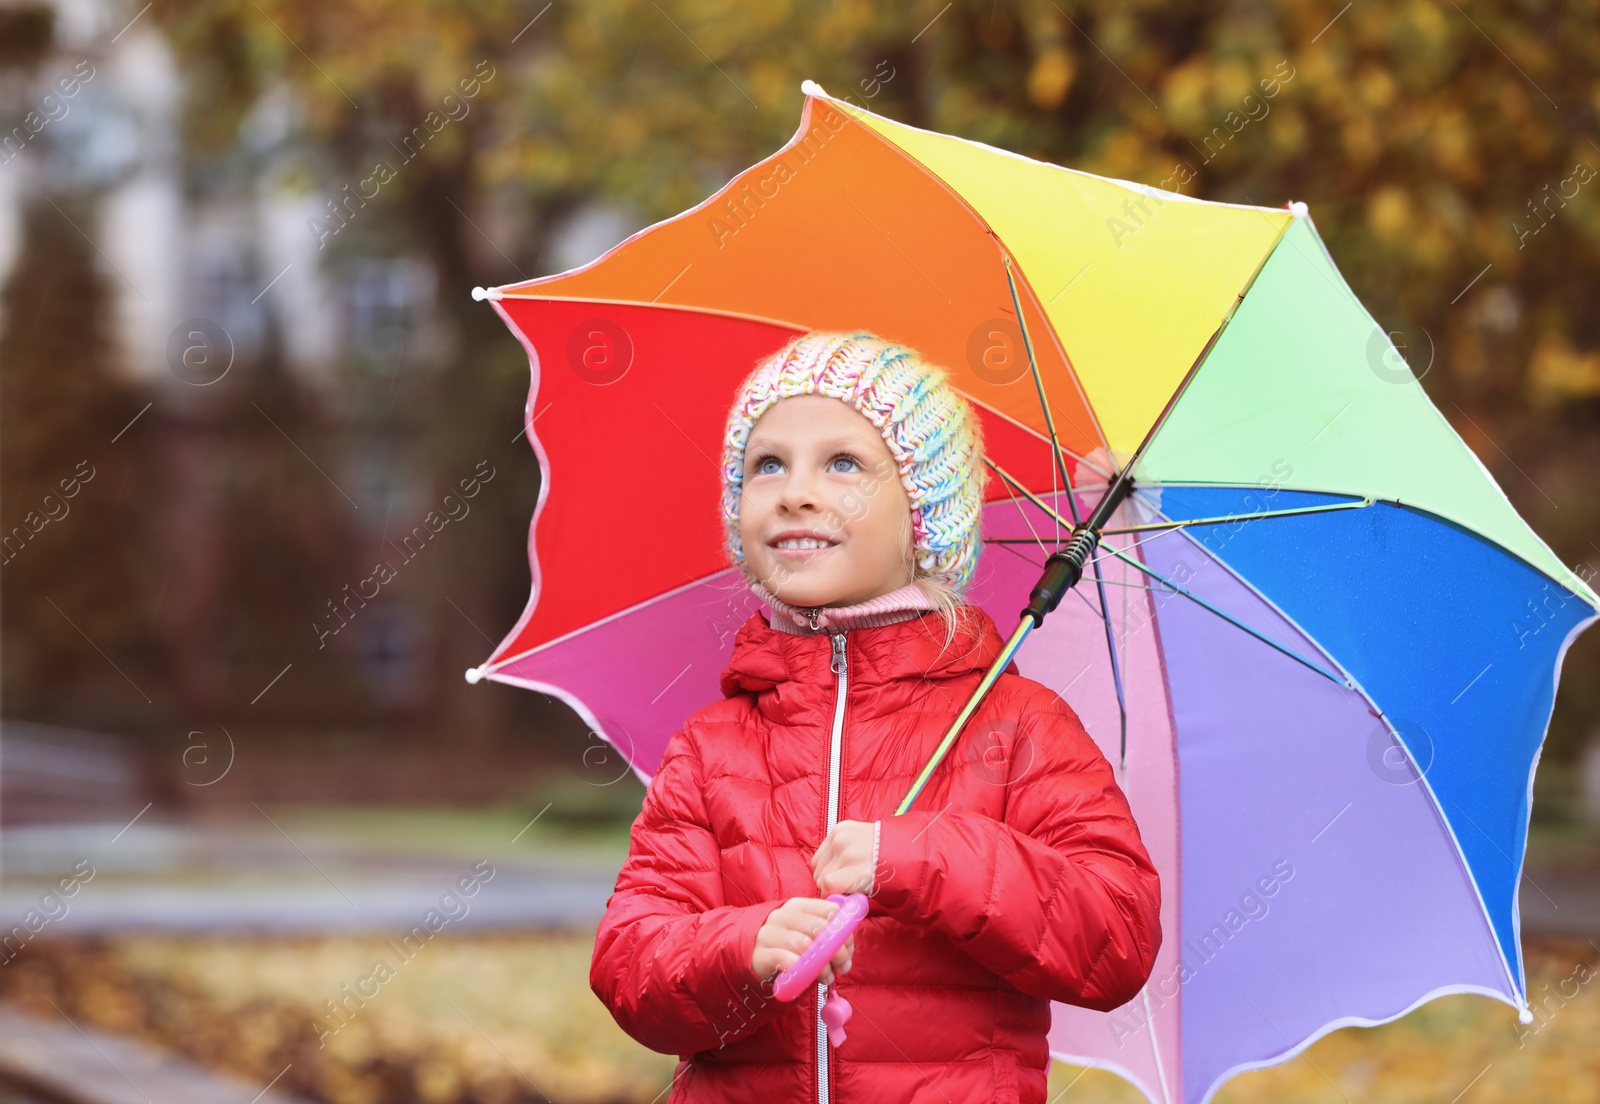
(1559, 372)
(1389, 213)
(1051, 77)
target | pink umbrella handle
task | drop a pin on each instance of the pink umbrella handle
(795, 980)
(834, 1015)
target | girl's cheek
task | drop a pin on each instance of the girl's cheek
(751, 510)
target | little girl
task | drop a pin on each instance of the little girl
(852, 489)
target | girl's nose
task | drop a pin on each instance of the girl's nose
(799, 490)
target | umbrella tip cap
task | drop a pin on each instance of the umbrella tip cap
(811, 88)
(474, 675)
(480, 294)
(1524, 1016)
(1298, 209)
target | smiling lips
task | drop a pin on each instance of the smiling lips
(802, 543)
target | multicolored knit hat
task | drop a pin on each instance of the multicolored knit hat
(932, 433)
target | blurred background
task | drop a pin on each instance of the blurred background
(240, 363)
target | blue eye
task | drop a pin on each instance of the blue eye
(760, 465)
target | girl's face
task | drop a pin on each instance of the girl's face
(816, 468)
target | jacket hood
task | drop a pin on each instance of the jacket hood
(765, 658)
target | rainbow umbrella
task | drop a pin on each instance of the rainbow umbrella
(1314, 638)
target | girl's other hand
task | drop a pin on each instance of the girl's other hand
(789, 930)
(843, 864)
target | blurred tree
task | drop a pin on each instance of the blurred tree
(1448, 155)
(1445, 152)
(285, 543)
(75, 572)
(26, 31)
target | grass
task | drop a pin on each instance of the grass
(565, 820)
(1458, 1049)
(509, 832)
(485, 1018)
(502, 1018)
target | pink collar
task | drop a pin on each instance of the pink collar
(898, 605)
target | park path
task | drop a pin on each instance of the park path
(61, 1061)
(156, 876)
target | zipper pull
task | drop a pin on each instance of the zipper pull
(837, 664)
(812, 615)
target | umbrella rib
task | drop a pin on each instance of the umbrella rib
(1130, 586)
(1239, 517)
(1127, 472)
(1072, 504)
(1109, 549)
(898, 151)
(1259, 635)
(1515, 976)
(1176, 589)
(1008, 542)
(1083, 461)
(1100, 614)
(1029, 540)
(1037, 538)
(1199, 361)
(1038, 386)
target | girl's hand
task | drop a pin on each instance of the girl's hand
(789, 930)
(843, 864)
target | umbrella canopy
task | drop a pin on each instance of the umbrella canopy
(1325, 709)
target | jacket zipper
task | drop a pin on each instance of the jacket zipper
(835, 754)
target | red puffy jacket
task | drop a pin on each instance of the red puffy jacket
(1017, 878)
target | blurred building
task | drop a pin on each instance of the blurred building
(230, 284)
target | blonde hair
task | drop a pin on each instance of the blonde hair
(949, 601)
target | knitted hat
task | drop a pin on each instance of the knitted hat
(933, 435)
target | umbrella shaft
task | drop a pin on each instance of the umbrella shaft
(967, 710)
(1061, 573)
(1065, 566)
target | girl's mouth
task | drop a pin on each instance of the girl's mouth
(801, 548)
